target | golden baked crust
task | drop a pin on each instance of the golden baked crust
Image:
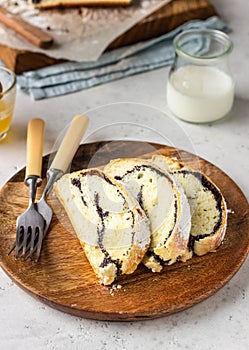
(71, 3)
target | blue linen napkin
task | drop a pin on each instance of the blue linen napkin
(69, 77)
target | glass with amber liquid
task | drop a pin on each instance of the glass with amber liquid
(7, 99)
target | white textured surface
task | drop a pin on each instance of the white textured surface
(220, 322)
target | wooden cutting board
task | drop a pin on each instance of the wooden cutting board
(64, 279)
(160, 22)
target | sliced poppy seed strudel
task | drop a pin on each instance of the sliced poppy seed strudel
(207, 204)
(110, 225)
(165, 204)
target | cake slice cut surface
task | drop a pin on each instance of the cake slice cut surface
(207, 204)
(163, 202)
(110, 225)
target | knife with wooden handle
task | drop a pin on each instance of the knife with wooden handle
(62, 159)
(33, 34)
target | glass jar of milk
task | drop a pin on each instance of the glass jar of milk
(200, 87)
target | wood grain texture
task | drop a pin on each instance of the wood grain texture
(33, 34)
(64, 279)
(164, 20)
(160, 22)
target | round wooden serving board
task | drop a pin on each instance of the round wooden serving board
(63, 278)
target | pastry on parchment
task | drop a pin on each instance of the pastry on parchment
(207, 204)
(67, 3)
(165, 204)
(110, 225)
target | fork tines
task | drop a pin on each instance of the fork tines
(28, 243)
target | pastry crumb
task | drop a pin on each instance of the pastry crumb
(115, 287)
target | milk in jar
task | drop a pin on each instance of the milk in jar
(200, 87)
(200, 93)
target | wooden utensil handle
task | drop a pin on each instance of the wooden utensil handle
(70, 143)
(35, 137)
(33, 34)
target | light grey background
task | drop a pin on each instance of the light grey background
(220, 322)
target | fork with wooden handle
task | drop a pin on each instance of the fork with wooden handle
(30, 224)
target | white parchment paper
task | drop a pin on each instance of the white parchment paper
(80, 34)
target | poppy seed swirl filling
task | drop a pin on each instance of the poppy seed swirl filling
(217, 198)
(139, 196)
(102, 215)
(101, 231)
(164, 204)
(112, 228)
(207, 205)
